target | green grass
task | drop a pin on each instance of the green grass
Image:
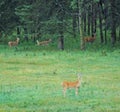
(30, 80)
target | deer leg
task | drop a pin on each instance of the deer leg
(64, 91)
(76, 91)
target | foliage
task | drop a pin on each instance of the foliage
(41, 17)
(8, 18)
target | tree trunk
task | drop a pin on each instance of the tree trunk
(84, 17)
(95, 16)
(92, 20)
(74, 25)
(113, 22)
(119, 34)
(100, 25)
(18, 32)
(81, 26)
(61, 28)
(61, 42)
(61, 37)
(85, 24)
(105, 17)
(105, 29)
(89, 19)
(26, 34)
(105, 36)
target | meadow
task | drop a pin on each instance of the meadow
(30, 80)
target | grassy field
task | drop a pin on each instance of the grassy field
(30, 80)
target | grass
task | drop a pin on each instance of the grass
(30, 80)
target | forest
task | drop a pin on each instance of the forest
(60, 20)
(59, 55)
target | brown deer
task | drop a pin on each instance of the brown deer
(13, 43)
(44, 42)
(90, 39)
(76, 84)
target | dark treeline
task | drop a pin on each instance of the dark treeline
(39, 19)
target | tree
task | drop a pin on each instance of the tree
(81, 26)
(41, 18)
(8, 19)
(100, 22)
(113, 22)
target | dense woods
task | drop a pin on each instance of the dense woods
(32, 20)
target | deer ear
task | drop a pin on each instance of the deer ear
(79, 75)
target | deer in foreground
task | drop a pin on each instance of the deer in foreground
(44, 42)
(90, 39)
(13, 43)
(76, 84)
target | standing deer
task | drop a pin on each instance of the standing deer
(76, 84)
(13, 43)
(44, 42)
(90, 39)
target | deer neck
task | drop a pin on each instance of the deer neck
(17, 41)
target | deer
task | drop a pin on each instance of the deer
(90, 39)
(46, 42)
(67, 84)
(13, 43)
